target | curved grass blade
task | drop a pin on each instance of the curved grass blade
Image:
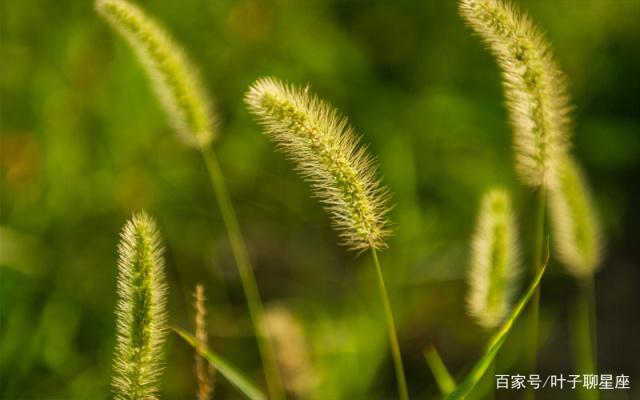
(227, 370)
(478, 370)
(444, 380)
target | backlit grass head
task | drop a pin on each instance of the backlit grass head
(535, 87)
(494, 261)
(326, 151)
(175, 81)
(575, 223)
(140, 312)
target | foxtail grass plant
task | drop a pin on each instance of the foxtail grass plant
(494, 261)
(190, 112)
(538, 107)
(141, 318)
(578, 244)
(326, 152)
(205, 372)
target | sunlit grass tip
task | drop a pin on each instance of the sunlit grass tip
(494, 261)
(535, 87)
(205, 371)
(327, 152)
(176, 83)
(575, 222)
(141, 318)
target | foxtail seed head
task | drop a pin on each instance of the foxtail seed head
(141, 319)
(205, 371)
(535, 87)
(176, 83)
(494, 261)
(290, 345)
(575, 223)
(326, 151)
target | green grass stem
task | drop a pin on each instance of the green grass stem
(584, 333)
(534, 311)
(391, 329)
(245, 270)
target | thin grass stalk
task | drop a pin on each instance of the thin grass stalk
(589, 296)
(247, 277)
(584, 333)
(534, 309)
(391, 329)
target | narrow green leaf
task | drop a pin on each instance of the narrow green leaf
(444, 380)
(227, 370)
(496, 341)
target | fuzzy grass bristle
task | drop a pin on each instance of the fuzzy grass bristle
(141, 318)
(327, 153)
(177, 84)
(494, 261)
(535, 87)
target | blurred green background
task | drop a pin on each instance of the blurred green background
(84, 144)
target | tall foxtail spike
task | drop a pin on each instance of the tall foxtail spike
(327, 153)
(141, 317)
